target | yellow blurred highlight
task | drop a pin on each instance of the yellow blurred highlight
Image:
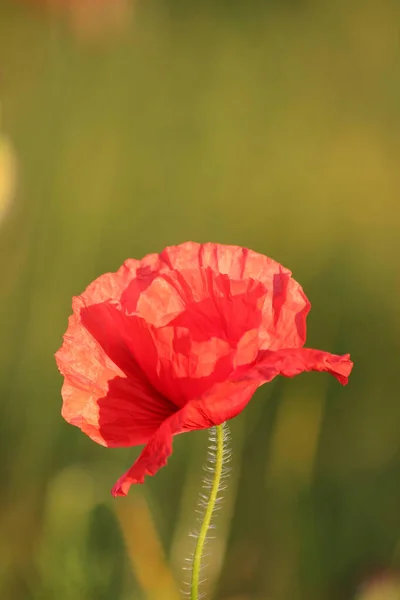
(145, 550)
(295, 438)
(387, 588)
(8, 177)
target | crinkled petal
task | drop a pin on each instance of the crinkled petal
(164, 285)
(153, 457)
(226, 400)
(175, 367)
(121, 415)
(293, 361)
(161, 286)
(105, 392)
(286, 306)
(284, 314)
(218, 305)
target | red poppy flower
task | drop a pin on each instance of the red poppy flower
(181, 341)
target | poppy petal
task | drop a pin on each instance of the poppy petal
(153, 457)
(171, 366)
(105, 393)
(286, 306)
(292, 361)
(157, 287)
(284, 311)
(225, 402)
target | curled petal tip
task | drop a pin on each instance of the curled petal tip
(121, 488)
(343, 369)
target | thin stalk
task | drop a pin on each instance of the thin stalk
(209, 509)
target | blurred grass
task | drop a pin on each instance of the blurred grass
(270, 125)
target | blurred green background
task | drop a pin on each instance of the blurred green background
(126, 127)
